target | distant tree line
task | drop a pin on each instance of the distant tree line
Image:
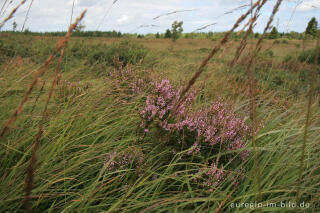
(167, 35)
(176, 31)
(107, 34)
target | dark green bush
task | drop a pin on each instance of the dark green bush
(79, 51)
(308, 56)
(6, 51)
(276, 42)
(126, 52)
(289, 58)
(268, 53)
(26, 48)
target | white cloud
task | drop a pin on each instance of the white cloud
(309, 6)
(123, 19)
(86, 3)
(127, 15)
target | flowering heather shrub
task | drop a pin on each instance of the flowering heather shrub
(121, 160)
(218, 125)
(205, 132)
(162, 100)
(212, 177)
(214, 125)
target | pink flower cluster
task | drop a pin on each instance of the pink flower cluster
(211, 176)
(214, 176)
(216, 124)
(161, 102)
(213, 128)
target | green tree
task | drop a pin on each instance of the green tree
(158, 35)
(167, 34)
(140, 36)
(27, 32)
(176, 30)
(210, 35)
(312, 27)
(14, 26)
(274, 33)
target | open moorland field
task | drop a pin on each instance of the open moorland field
(223, 124)
(95, 154)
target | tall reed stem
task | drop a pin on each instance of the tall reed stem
(307, 124)
(33, 160)
(27, 15)
(212, 53)
(253, 107)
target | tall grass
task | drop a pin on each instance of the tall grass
(313, 76)
(38, 73)
(253, 107)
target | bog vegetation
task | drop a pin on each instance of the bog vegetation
(104, 121)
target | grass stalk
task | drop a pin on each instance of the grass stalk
(27, 15)
(4, 4)
(307, 124)
(205, 62)
(253, 107)
(33, 160)
(243, 42)
(13, 11)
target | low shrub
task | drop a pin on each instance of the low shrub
(308, 56)
(268, 53)
(276, 41)
(126, 52)
(202, 133)
(289, 58)
(5, 51)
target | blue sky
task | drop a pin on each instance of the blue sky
(128, 15)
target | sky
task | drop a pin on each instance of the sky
(139, 16)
